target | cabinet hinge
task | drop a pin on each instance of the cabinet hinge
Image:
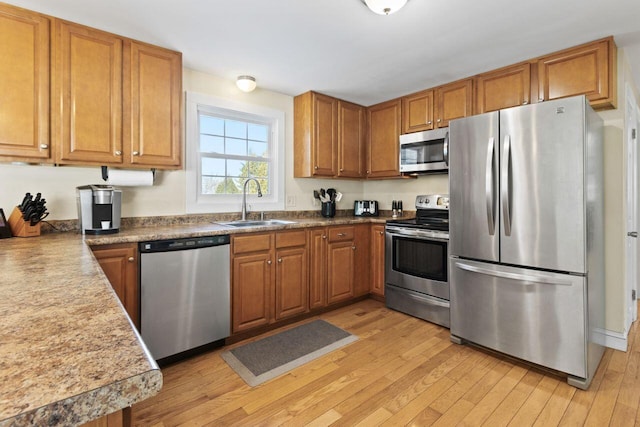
(633, 134)
(633, 294)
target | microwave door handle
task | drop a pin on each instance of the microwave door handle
(491, 219)
(445, 149)
(505, 185)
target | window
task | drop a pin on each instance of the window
(228, 143)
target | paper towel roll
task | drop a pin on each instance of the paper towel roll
(130, 178)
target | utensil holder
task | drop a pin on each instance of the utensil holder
(20, 227)
(328, 209)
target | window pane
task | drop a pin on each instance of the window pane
(258, 149)
(236, 168)
(236, 146)
(236, 129)
(213, 167)
(211, 144)
(211, 125)
(259, 169)
(258, 132)
(212, 185)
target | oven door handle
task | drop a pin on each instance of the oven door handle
(394, 231)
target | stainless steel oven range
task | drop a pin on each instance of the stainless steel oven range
(416, 266)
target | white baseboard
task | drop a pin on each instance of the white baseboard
(611, 339)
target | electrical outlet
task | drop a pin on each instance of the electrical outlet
(291, 201)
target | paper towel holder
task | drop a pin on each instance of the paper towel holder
(105, 173)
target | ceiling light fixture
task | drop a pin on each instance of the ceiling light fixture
(246, 83)
(385, 7)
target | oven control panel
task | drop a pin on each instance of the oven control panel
(432, 201)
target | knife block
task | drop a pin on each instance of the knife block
(20, 227)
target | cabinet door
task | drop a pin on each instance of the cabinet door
(153, 93)
(383, 148)
(417, 112)
(87, 104)
(341, 271)
(120, 265)
(589, 69)
(324, 140)
(292, 282)
(504, 88)
(351, 140)
(251, 291)
(362, 266)
(318, 268)
(377, 259)
(24, 47)
(453, 101)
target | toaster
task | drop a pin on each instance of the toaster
(365, 208)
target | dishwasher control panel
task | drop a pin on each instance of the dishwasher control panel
(182, 244)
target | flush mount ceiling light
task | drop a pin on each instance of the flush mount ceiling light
(246, 83)
(385, 7)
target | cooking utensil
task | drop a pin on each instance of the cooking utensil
(331, 192)
(338, 196)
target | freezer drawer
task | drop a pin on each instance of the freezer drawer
(419, 305)
(533, 315)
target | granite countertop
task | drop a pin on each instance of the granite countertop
(68, 351)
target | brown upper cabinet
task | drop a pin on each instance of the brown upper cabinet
(588, 69)
(383, 147)
(433, 108)
(114, 101)
(24, 84)
(329, 137)
(503, 88)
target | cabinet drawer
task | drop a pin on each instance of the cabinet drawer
(251, 243)
(287, 239)
(338, 234)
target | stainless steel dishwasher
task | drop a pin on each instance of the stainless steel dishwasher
(184, 294)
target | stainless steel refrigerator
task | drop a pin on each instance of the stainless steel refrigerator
(526, 234)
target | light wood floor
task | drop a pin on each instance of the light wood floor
(402, 371)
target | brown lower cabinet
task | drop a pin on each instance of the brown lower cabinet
(120, 418)
(377, 259)
(269, 278)
(120, 264)
(339, 260)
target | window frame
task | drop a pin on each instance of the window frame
(196, 202)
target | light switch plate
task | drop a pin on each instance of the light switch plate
(291, 201)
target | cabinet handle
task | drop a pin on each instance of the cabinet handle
(439, 120)
(342, 234)
(279, 259)
(324, 236)
(269, 261)
(381, 232)
(525, 102)
(118, 153)
(136, 153)
(315, 167)
(131, 259)
(353, 247)
(341, 169)
(429, 122)
(44, 146)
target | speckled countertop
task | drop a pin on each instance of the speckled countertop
(68, 351)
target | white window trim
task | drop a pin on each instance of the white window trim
(232, 202)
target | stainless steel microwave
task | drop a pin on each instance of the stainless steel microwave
(425, 152)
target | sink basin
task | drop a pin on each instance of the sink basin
(257, 223)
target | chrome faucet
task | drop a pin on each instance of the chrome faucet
(244, 196)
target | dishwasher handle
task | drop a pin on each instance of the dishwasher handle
(184, 244)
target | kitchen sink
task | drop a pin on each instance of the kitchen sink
(257, 223)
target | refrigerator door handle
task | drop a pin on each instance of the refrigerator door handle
(445, 149)
(505, 184)
(526, 279)
(491, 221)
